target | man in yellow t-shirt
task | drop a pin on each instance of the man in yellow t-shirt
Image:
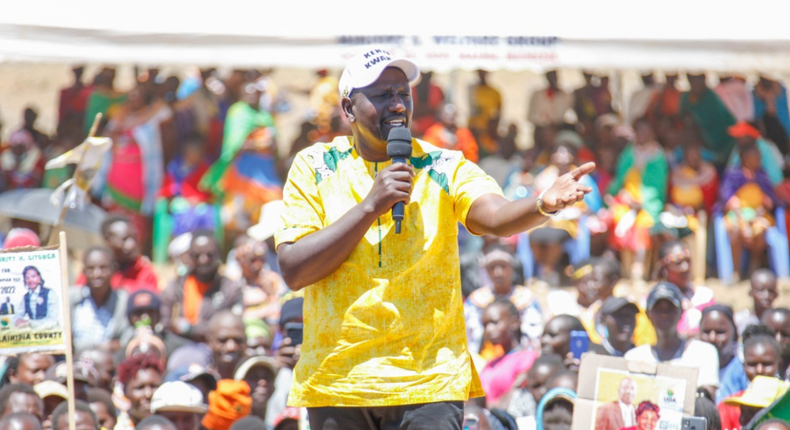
(384, 337)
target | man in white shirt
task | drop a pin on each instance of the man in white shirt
(664, 308)
(619, 414)
(549, 105)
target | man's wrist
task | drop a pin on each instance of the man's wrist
(541, 207)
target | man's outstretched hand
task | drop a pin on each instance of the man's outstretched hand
(567, 190)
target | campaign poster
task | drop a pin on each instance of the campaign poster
(31, 301)
(626, 400)
(616, 394)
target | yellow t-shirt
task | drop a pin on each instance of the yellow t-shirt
(387, 327)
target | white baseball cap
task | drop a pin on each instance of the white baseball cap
(363, 69)
(177, 396)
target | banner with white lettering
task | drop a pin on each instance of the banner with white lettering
(31, 301)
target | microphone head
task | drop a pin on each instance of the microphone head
(399, 143)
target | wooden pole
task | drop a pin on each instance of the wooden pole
(64, 275)
(64, 208)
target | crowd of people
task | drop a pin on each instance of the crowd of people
(194, 178)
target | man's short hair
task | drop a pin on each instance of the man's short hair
(249, 423)
(99, 248)
(8, 390)
(108, 222)
(574, 323)
(79, 405)
(770, 421)
(100, 395)
(21, 417)
(153, 420)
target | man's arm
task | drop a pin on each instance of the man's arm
(495, 215)
(317, 255)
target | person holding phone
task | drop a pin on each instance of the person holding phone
(503, 328)
(287, 350)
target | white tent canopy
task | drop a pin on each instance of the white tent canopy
(507, 35)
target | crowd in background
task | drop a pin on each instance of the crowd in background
(195, 178)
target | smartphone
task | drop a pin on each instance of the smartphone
(694, 423)
(295, 331)
(471, 422)
(580, 343)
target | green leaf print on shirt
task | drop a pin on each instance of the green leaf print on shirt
(325, 164)
(433, 162)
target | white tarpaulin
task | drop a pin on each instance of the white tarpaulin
(441, 36)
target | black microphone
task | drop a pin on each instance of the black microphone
(399, 151)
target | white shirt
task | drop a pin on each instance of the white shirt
(698, 354)
(629, 414)
(545, 110)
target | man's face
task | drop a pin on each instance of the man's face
(258, 345)
(536, 381)
(697, 83)
(620, 325)
(182, 420)
(204, 254)
(261, 382)
(593, 286)
(98, 270)
(779, 322)
(664, 315)
(764, 292)
(227, 341)
(501, 274)
(140, 390)
(123, 242)
(50, 403)
(32, 279)
(760, 360)
(497, 325)
(24, 402)
(551, 77)
(30, 117)
(31, 368)
(106, 419)
(556, 338)
(382, 106)
(627, 391)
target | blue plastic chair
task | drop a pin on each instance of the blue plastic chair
(775, 237)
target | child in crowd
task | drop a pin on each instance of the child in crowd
(748, 200)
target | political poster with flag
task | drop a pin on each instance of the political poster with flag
(31, 301)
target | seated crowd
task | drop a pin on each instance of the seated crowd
(194, 176)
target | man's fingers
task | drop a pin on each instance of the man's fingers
(582, 170)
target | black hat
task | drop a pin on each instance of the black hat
(291, 310)
(614, 304)
(667, 291)
(142, 300)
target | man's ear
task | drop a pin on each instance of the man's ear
(347, 105)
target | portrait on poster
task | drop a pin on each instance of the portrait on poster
(31, 298)
(630, 401)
